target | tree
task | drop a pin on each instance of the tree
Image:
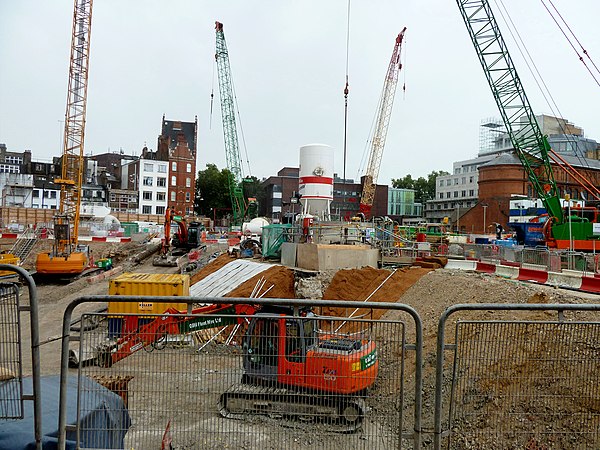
(212, 191)
(424, 187)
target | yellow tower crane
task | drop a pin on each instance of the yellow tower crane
(66, 257)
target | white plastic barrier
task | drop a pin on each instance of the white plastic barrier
(564, 279)
(461, 264)
(507, 271)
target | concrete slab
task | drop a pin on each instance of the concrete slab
(335, 257)
(288, 254)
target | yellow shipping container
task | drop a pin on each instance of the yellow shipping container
(147, 284)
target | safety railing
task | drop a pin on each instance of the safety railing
(521, 380)
(14, 392)
(268, 375)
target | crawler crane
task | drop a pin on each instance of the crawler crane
(530, 144)
(67, 257)
(382, 122)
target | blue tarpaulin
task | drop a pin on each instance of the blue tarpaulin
(104, 422)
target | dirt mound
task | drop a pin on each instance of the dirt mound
(376, 285)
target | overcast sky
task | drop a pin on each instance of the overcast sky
(288, 58)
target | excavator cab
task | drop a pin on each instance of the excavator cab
(275, 344)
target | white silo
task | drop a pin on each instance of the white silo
(316, 179)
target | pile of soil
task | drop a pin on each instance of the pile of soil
(369, 284)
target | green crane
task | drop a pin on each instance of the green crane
(532, 147)
(525, 134)
(232, 151)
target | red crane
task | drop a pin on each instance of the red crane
(382, 122)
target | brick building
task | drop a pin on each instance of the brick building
(177, 144)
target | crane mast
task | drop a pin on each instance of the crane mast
(531, 145)
(384, 112)
(232, 152)
(64, 257)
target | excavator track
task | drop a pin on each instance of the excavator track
(340, 413)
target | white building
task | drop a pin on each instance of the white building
(152, 186)
(16, 189)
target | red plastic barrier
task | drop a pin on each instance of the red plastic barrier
(532, 275)
(8, 235)
(126, 239)
(485, 267)
(590, 284)
(98, 238)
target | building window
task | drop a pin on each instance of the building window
(441, 195)
(447, 194)
(187, 196)
(160, 196)
(471, 179)
(147, 195)
(162, 168)
(441, 183)
(463, 193)
(148, 167)
(448, 182)
(146, 209)
(173, 180)
(464, 180)
(188, 168)
(471, 192)
(188, 182)
(161, 182)
(36, 193)
(455, 194)
(174, 166)
(160, 210)
(147, 181)
(456, 181)
(173, 196)
(13, 159)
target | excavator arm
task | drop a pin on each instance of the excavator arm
(172, 322)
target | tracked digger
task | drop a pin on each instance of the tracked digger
(291, 370)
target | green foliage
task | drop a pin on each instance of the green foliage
(212, 191)
(424, 187)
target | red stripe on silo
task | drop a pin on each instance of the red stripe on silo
(316, 180)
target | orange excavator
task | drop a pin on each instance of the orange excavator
(185, 239)
(290, 369)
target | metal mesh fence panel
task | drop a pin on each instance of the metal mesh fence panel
(265, 380)
(11, 387)
(532, 385)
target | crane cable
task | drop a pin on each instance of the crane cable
(212, 95)
(539, 80)
(570, 41)
(346, 90)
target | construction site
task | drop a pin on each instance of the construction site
(163, 329)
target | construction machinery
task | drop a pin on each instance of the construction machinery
(185, 239)
(564, 228)
(290, 369)
(241, 207)
(384, 112)
(67, 257)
